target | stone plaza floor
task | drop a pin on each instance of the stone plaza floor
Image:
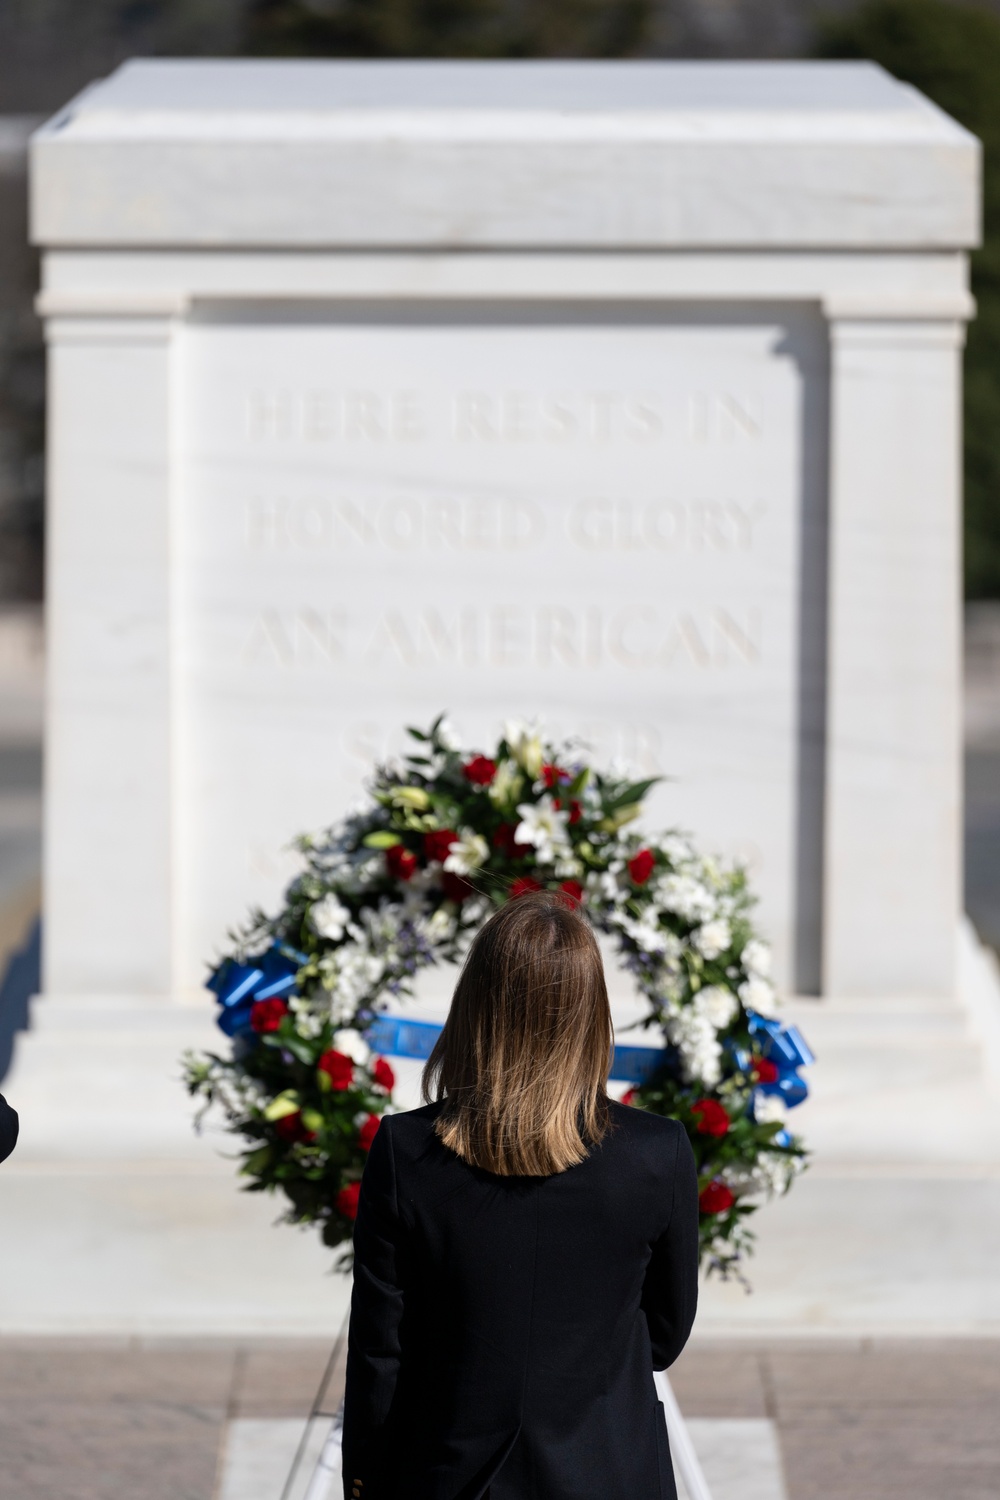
(148, 1420)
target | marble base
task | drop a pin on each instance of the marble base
(128, 1223)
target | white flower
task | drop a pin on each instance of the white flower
(776, 1173)
(603, 884)
(350, 974)
(353, 1045)
(770, 1175)
(768, 1109)
(713, 938)
(676, 849)
(756, 959)
(686, 896)
(543, 825)
(476, 910)
(467, 853)
(757, 994)
(525, 746)
(308, 1020)
(330, 917)
(440, 926)
(717, 1005)
(648, 935)
(694, 1037)
(506, 784)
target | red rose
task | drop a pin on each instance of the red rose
(503, 839)
(267, 1015)
(640, 866)
(480, 770)
(438, 842)
(455, 888)
(522, 885)
(715, 1198)
(347, 1200)
(553, 775)
(628, 1097)
(573, 891)
(765, 1070)
(383, 1074)
(713, 1118)
(400, 862)
(575, 811)
(338, 1068)
(367, 1132)
(290, 1129)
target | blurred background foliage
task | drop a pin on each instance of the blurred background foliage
(449, 28)
(49, 49)
(952, 53)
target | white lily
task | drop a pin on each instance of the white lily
(525, 746)
(468, 853)
(544, 825)
(506, 784)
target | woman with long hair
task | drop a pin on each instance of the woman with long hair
(526, 1250)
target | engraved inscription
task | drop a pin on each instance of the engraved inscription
(492, 417)
(499, 524)
(320, 416)
(720, 417)
(403, 523)
(538, 417)
(636, 637)
(302, 638)
(664, 525)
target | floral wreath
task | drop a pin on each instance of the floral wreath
(446, 838)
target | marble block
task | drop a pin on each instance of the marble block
(621, 395)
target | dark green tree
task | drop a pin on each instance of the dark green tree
(952, 53)
(448, 28)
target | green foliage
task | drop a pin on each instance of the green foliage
(951, 52)
(448, 28)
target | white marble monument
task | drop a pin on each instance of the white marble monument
(624, 395)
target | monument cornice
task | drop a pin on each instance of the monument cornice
(521, 156)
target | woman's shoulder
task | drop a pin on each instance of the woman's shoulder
(653, 1136)
(410, 1129)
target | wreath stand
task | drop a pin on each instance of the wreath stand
(326, 1476)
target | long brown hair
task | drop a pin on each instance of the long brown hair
(523, 1059)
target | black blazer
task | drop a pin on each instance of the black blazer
(504, 1331)
(8, 1128)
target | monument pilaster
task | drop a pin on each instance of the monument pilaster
(108, 841)
(893, 763)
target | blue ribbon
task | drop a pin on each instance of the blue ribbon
(238, 986)
(397, 1036)
(786, 1047)
(272, 975)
